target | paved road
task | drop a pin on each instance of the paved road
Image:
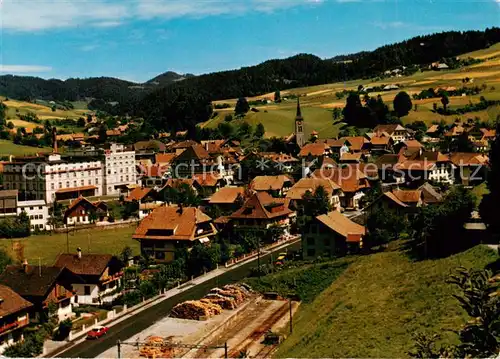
(144, 319)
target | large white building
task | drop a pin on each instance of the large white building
(119, 169)
(50, 177)
(37, 211)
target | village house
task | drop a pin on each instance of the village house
(154, 176)
(397, 132)
(296, 193)
(96, 276)
(332, 235)
(426, 166)
(193, 160)
(42, 285)
(312, 151)
(169, 228)
(141, 195)
(274, 185)
(381, 144)
(119, 168)
(14, 317)
(82, 211)
(353, 183)
(348, 144)
(470, 168)
(282, 160)
(227, 199)
(209, 183)
(260, 212)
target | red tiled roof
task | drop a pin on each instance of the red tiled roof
(349, 177)
(138, 193)
(207, 179)
(11, 302)
(262, 206)
(413, 144)
(269, 183)
(164, 158)
(310, 184)
(227, 195)
(173, 223)
(342, 225)
(408, 196)
(468, 159)
(380, 140)
(313, 149)
(88, 264)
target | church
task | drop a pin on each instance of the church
(298, 136)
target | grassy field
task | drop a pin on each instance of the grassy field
(8, 148)
(378, 303)
(317, 101)
(307, 281)
(15, 108)
(46, 247)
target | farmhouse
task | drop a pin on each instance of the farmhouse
(332, 235)
(169, 228)
(96, 276)
(14, 317)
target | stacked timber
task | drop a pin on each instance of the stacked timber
(195, 310)
(158, 347)
(227, 303)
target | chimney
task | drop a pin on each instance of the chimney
(79, 252)
(54, 139)
(25, 266)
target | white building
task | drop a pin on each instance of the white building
(119, 169)
(37, 211)
(49, 178)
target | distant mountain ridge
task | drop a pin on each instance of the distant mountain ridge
(168, 77)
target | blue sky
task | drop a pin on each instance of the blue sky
(138, 39)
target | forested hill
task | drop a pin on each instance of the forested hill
(102, 88)
(308, 70)
(168, 78)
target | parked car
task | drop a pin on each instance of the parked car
(97, 332)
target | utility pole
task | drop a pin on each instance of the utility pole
(118, 344)
(291, 322)
(225, 350)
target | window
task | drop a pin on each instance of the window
(40, 207)
(31, 217)
(86, 290)
(97, 181)
(74, 183)
(51, 186)
(67, 184)
(90, 182)
(31, 208)
(82, 182)
(60, 185)
(126, 177)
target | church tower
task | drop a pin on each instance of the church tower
(299, 127)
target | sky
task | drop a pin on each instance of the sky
(139, 39)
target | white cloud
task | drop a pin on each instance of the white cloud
(24, 69)
(89, 47)
(33, 15)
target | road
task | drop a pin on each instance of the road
(144, 319)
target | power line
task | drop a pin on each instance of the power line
(137, 344)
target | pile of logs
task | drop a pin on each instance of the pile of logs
(195, 310)
(228, 297)
(158, 347)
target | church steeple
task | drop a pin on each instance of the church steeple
(298, 117)
(299, 126)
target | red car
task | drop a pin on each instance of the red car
(97, 332)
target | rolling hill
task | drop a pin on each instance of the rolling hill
(377, 304)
